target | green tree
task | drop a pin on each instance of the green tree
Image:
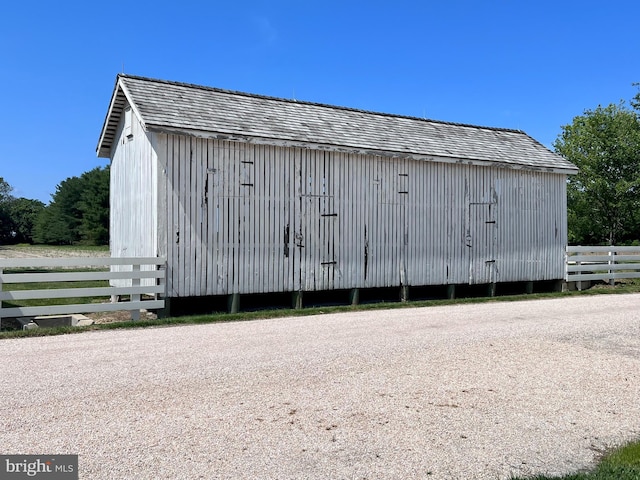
(94, 205)
(603, 199)
(5, 218)
(78, 212)
(5, 190)
(59, 223)
(23, 213)
(635, 101)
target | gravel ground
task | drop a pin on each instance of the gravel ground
(46, 251)
(470, 391)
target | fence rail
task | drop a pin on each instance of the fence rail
(134, 270)
(610, 263)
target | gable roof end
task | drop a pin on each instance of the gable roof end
(119, 99)
(204, 111)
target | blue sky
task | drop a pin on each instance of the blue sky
(504, 63)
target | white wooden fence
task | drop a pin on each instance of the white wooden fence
(601, 263)
(138, 268)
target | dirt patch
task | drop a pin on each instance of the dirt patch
(121, 316)
(98, 318)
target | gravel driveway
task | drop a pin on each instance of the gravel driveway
(468, 391)
(48, 251)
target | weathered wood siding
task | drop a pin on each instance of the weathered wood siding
(134, 194)
(243, 218)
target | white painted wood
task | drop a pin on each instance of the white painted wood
(192, 202)
(597, 266)
(601, 249)
(224, 236)
(603, 276)
(77, 262)
(584, 263)
(198, 204)
(605, 258)
(209, 233)
(80, 308)
(78, 276)
(79, 292)
(186, 221)
(135, 277)
(159, 147)
(133, 218)
(135, 297)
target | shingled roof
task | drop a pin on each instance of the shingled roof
(204, 111)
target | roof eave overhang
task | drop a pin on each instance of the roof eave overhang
(230, 136)
(119, 98)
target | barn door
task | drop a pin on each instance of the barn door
(386, 233)
(318, 220)
(318, 261)
(481, 240)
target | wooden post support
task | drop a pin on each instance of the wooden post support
(297, 300)
(451, 292)
(0, 300)
(404, 293)
(491, 290)
(135, 297)
(233, 303)
(529, 288)
(612, 261)
(579, 282)
(166, 311)
(560, 286)
(354, 296)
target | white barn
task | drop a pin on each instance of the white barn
(250, 194)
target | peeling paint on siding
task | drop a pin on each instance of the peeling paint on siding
(246, 218)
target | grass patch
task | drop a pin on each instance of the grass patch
(631, 287)
(626, 456)
(620, 464)
(53, 286)
(33, 249)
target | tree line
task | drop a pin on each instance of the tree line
(603, 199)
(77, 214)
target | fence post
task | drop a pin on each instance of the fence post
(0, 300)
(135, 297)
(161, 281)
(612, 261)
(565, 284)
(579, 282)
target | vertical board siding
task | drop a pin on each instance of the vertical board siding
(246, 218)
(133, 219)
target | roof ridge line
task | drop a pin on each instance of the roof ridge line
(315, 104)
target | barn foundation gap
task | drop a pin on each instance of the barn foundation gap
(234, 303)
